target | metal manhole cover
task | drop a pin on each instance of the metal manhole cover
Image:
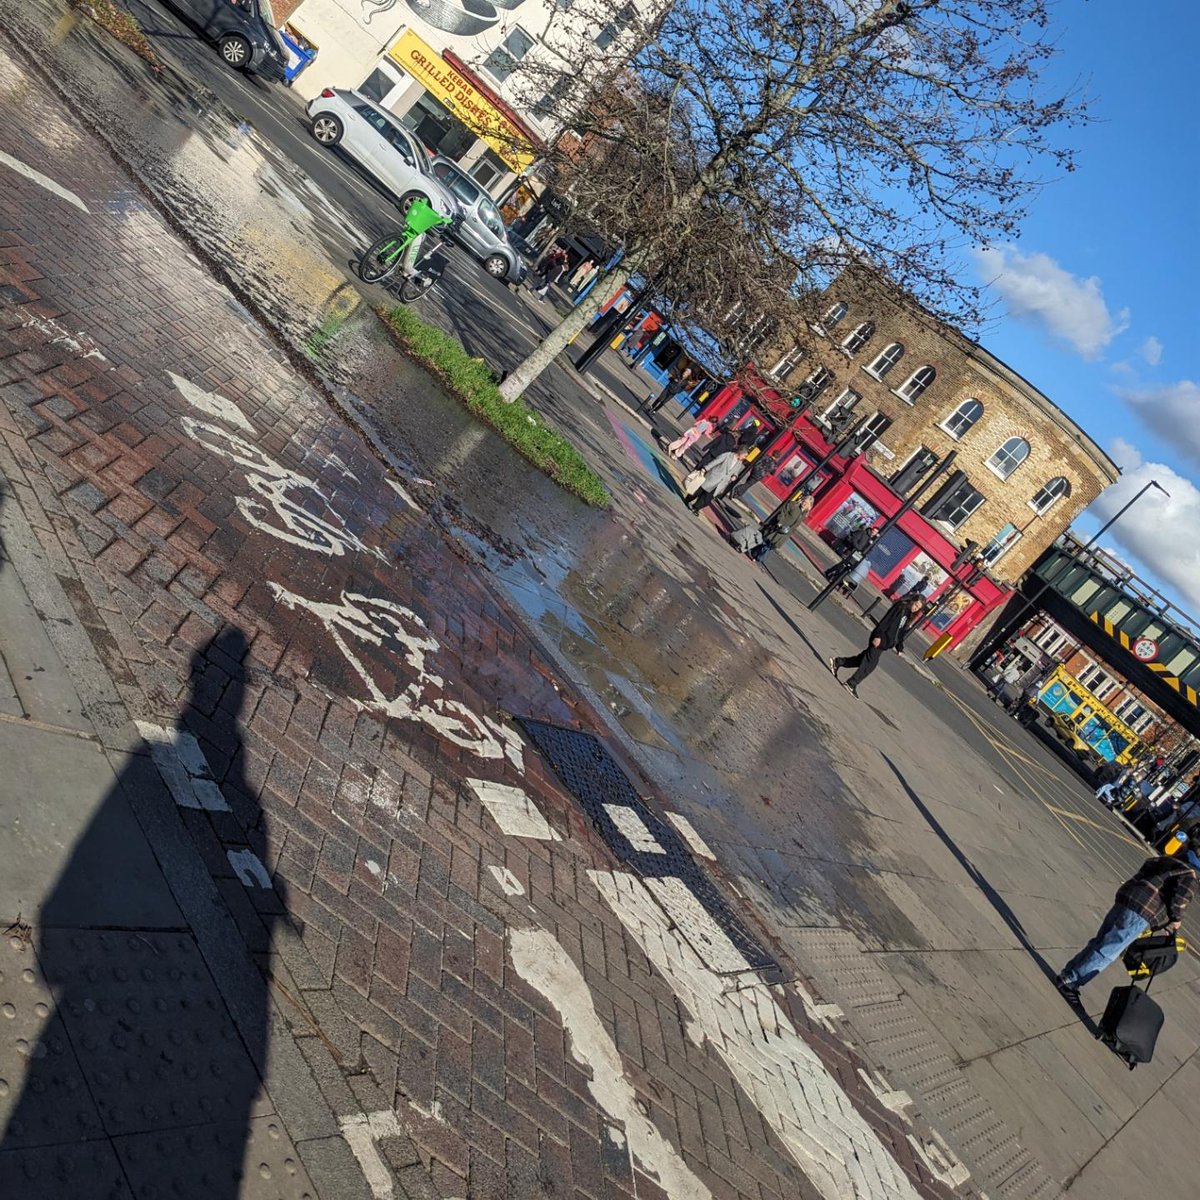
(650, 847)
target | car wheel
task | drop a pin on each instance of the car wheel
(327, 129)
(406, 201)
(235, 51)
(496, 266)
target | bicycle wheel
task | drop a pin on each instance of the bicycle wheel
(415, 287)
(382, 257)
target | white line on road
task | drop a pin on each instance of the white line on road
(183, 767)
(513, 811)
(44, 181)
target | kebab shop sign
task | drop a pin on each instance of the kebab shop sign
(460, 95)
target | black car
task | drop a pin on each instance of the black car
(245, 32)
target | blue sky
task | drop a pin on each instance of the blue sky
(1097, 302)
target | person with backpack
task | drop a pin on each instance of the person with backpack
(1155, 898)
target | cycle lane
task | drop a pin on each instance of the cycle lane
(175, 468)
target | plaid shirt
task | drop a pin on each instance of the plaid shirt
(1160, 891)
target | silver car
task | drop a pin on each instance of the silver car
(482, 231)
(379, 143)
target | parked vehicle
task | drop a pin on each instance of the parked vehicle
(245, 31)
(379, 143)
(482, 232)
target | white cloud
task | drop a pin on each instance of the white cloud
(1037, 290)
(1151, 350)
(1172, 411)
(1159, 531)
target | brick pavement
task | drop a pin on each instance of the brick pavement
(183, 483)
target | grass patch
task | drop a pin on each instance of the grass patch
(122, 25)
(470, 380)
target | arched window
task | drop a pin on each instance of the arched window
(917, 383)
(1009, 457)
(889, 357)
(835, 314)
(962, 418)
(1049, 494)
(859, 338)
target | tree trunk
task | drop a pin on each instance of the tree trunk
(560, 337)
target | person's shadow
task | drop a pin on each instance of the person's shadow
(134, 1078)
(993, 897)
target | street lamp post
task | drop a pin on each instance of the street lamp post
(1029, 601)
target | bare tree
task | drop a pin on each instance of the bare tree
(753, 149)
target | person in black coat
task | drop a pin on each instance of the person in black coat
(888, 634)
(723, 443)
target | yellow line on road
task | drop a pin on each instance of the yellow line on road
(1083, 820)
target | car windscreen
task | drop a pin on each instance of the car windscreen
(462, 187)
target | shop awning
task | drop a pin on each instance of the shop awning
(448, 79)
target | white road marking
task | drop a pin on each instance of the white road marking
(361, 1131)
(210, 402)
(403, 495)
(688, 831)
(43, 181)
(780, 1073)
(709, 940)
(513, 811)
(510, 885)
(547, 967)
(183, 767)
(249, 869)
(59, 336)
(633, 829)
(386, 625)
(284, 492)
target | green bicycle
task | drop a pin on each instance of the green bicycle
(385, 256)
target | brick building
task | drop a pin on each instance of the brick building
(1024, 470)
(912, 389)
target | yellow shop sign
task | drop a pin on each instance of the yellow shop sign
(459, 93)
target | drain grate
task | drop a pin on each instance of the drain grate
(650, 846)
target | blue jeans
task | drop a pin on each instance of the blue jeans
(1116, 931)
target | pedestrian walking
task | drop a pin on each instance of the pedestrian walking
(1112, 778)
(583, 275)
(725, 441)
(888, 634)
(1155, 898)
(684, 382)
(718, 475)
(778, 527)
(761, 467)
(857, 544)
(686, 440)
(551, 269)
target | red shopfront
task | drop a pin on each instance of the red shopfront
(848, 493)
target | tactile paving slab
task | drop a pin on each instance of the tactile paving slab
(212, 1162)
(43, 1097)
(153, 1037)
(643, 841)
(84, 1171)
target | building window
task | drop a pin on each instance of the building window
(552, 101)
(1009, 457)
(1001, 544)
(913, 471)
(613, 29)
(858, 338)
(889, 357)
(1129, 710)
(787, 362)
(503, 60)
(954, 502)
(1049, 494)
(1098, 681)
(1051, 639)
(917, 383)
(834, 315)
(818, 381)
(874, 427)
(1142, 725)
(962, 418)
(841, 406)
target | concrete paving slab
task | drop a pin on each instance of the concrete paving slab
(78, 856)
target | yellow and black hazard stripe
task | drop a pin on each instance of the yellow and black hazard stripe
(1184, 689)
